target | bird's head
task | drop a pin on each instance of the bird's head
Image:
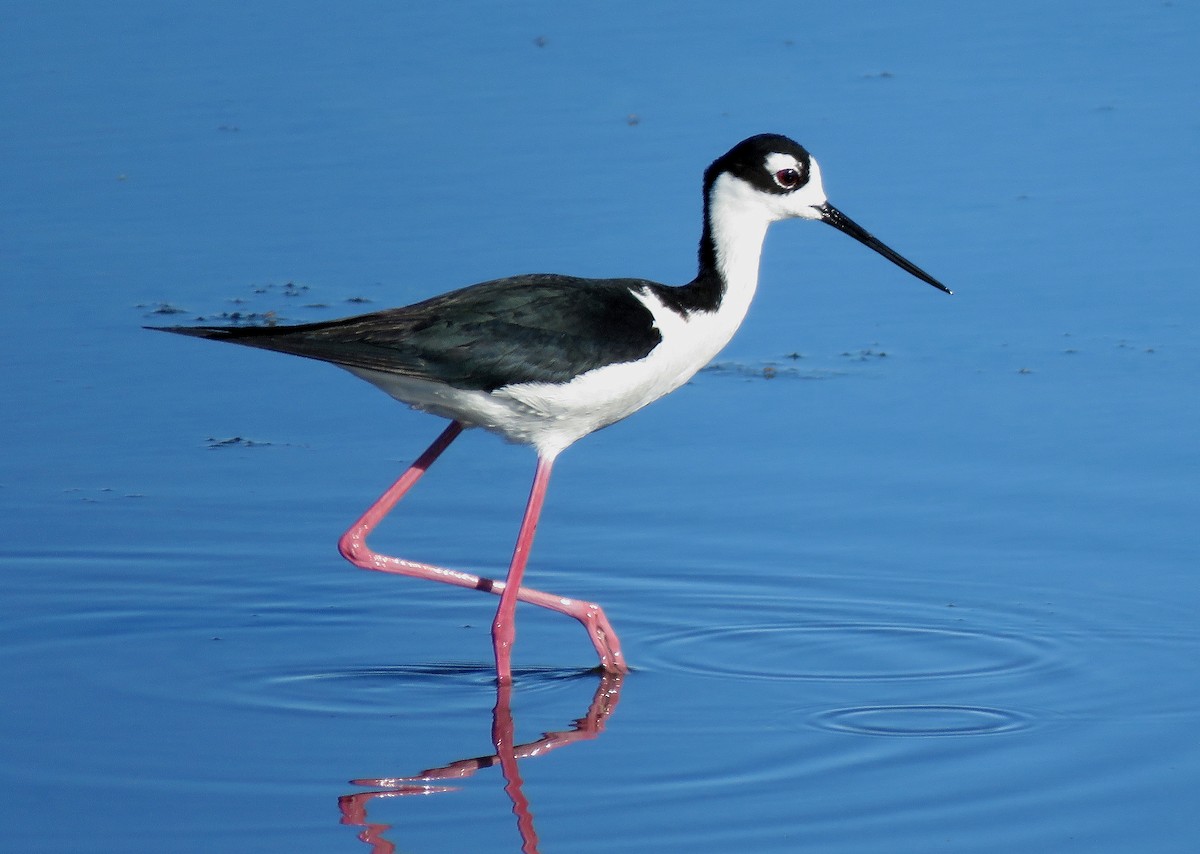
(770, 177)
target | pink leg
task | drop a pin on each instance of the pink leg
(353, 546)
(504, 629)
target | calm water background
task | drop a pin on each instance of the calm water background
(929, 587)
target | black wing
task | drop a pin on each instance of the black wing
(533, 328)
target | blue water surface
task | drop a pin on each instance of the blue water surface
(900, 572)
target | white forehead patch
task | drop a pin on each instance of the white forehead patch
(776, 161)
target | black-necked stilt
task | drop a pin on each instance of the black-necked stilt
(545, 359)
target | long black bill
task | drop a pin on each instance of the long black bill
(843, 223)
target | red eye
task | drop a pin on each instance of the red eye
(789, 179)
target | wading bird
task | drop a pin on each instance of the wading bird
(546, 359)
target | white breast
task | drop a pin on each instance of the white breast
(550, 416)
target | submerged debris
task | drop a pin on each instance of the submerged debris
(242, 318)
(94, 495)
(250, 309)
(865, 355)
(162, 308)
(767, 371)
(236, 442)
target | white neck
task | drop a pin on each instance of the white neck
(738, 225)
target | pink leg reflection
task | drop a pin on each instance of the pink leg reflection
(604, 702)
(506, 752)
(353, 546)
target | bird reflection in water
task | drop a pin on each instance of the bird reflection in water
(604, 702)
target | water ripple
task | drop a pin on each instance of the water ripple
(837, 638)
(393, 691)
(847, 651)
(921, 721)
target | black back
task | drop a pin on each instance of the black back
(532, 328)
